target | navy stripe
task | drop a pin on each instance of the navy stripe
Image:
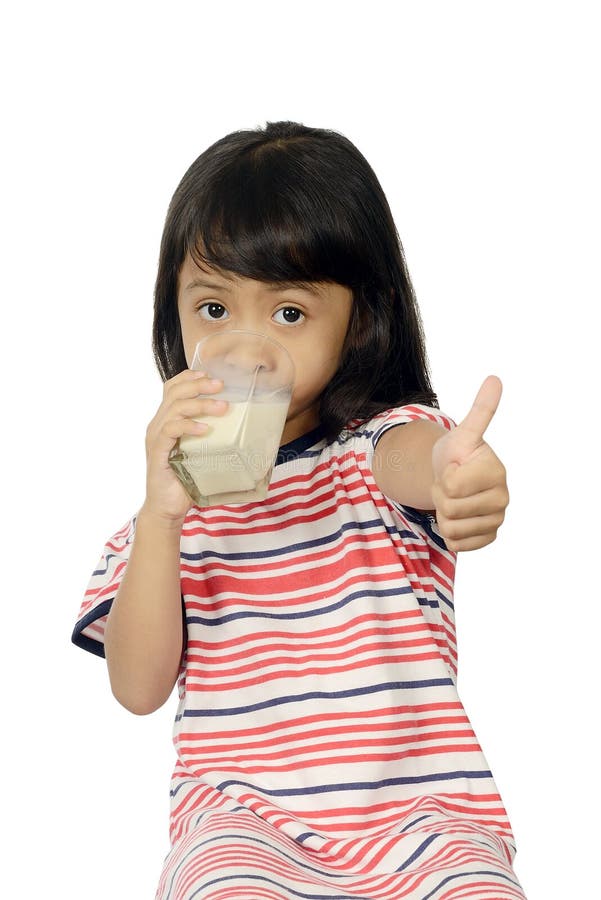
(304, 614)
(107, 559)
(251, 838)
(305, 837)
(414, 822)
(496, 875)
(278, 884)
(331, 538)
(356, 785)
(313, 695)
(446, 600)
(418, 852)
(119, 555)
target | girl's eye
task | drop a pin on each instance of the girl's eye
(212, 311)
(290, 315)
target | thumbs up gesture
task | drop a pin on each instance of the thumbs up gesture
(470, 487)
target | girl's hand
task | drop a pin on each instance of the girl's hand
(166, 497)
(470, 485)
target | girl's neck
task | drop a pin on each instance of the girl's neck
(300, 424)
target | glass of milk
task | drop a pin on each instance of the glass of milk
(233, 461)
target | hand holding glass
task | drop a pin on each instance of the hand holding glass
(233, 462)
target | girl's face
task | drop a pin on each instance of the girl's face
(310, 321)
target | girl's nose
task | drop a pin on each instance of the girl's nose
(245, 360)
(248, 358)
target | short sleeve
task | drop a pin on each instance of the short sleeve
(365, 441)
(102, 588)
(373, 430)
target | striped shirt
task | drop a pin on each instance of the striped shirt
(322, 748)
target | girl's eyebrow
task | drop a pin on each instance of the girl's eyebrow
(308, 286)
(311, 287)
(200, 282)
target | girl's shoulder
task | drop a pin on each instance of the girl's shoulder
(371, 429)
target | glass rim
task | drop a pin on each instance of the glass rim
(264, 337)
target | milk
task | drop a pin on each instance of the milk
(232, 463)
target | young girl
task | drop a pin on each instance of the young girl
(322, 749)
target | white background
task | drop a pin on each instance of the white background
(481, 121)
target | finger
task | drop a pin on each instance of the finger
(184, 376)
(182, 418)
(160, 441)
(473, 543)
(459, 530)
(488, 502)
(483, 409)
(482, 472)
(195, 407)
(168, 420)
(190, 384)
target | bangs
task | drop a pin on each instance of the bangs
(259, 220)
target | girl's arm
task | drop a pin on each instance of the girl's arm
(144, 633)
(454, 473)
(402, 463)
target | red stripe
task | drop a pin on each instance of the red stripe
(189, 751)
(335, 716)
(263, 677)
(304, 765)
(294, 643)
(396, 616)
(313, 734)
(379, 646)
(212, 586)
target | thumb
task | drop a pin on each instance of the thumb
(483, 409)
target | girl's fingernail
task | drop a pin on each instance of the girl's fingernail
(215, 381)
(200, 374)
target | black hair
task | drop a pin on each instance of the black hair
(294, 203)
